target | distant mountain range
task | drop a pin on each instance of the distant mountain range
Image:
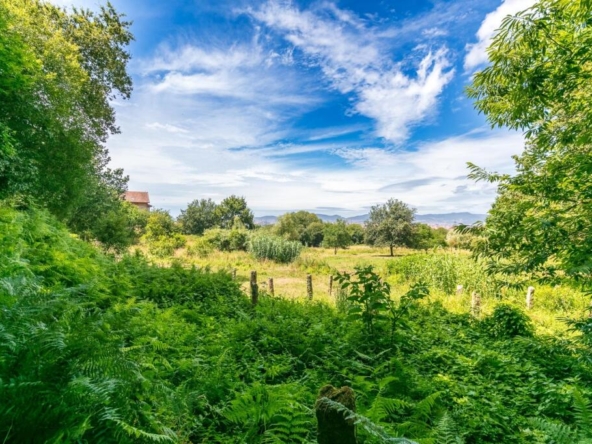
(435, 220)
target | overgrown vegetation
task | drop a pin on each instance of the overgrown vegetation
(139, 353)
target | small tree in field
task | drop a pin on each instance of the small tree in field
(390, 224)
(336, 235)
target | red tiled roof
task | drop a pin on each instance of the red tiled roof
(137, 197)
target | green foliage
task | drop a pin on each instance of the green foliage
(125, 351)
(390, 224)
(269, 414)
(336, 235)
(274, 248)
(300, 226)
(313, 234)
(227, 240)
(425, 237)
(460, 238)
(537, 82)
(443, 271)
(507, 322)
(357, 233)
(60, 70)
(199, 216)
(557, 433)
(234, 207)
(369, 297)
(160, 224)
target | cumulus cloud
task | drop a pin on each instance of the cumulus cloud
(477, 52)
(355, 58)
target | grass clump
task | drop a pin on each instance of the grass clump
(274, 248)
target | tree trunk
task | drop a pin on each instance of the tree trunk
(333, 428)
(335, 250)
(392, 254)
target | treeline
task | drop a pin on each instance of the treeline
(390, 225)
(59, 72)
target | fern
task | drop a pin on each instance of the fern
(373, 429)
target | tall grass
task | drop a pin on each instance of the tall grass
(274, 248)
(443, 271)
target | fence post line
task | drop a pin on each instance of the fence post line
(270, 286)
(254, 288)
(331, 285)
(309, 286)
(475, 304)
(530, 298)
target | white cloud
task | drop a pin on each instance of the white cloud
(355, 59)
(477, 52)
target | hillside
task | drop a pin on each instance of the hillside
(435, 220)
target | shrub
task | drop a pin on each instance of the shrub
(200, 248)
(507, 322)
(274, 248)
(166, 245)
(227, 240)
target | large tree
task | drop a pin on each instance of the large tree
(390, 225)
(234, 207)
(300, 226)
(540, 82)
(200, 215)
(59, 70)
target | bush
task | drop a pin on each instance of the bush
(164, 246)
(507, 322)
(200, 248)
(227, 240)
(274, 248)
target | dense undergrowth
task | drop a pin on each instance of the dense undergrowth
(95, 348)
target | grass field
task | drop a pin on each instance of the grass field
(442, 269)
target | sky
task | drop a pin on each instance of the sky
(326, 106)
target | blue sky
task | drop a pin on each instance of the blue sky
(328, 106)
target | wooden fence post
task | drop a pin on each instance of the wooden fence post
(234, 274)
(529, 298)
(475, 303)
(254, 288)
(309, 286)
(333, 428)
(459, 289)
(270, 287)
(331, 285)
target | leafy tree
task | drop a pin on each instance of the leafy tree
(297, 226)
(160, 224)
(390, 224)
(356, 232)
(313, 234)
(425, 237)
(60, 70)
(231, 207)
(336, 235)
(539, 83)
(199, 216)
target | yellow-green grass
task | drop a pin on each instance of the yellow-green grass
(551, 303)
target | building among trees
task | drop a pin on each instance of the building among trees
(139, 199)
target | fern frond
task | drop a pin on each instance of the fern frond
(559, 433)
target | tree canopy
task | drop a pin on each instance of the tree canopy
(302, 226)
(538, 82)
(200, 215)
(58, 72)
(336, 235)
(232, 207)
(390, 224)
